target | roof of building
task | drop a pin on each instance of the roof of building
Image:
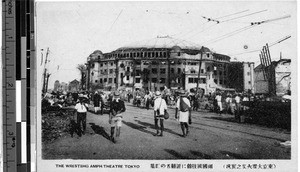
(164, 42)
(74, 81)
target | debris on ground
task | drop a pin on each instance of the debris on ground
(55, 125)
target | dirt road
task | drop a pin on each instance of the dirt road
(212, 136)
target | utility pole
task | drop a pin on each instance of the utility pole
(200, 62)
(48, 75)
(45, 73)
(117, 72)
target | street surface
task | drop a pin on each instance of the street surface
(212, 136)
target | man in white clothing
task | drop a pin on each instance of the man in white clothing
(81, 109)
(219, 102)
(159, 109)
(184, 106)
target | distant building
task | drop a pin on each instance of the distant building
(274, 79)
(158, 62)
(241, 76)
(56, 85)
(63, 87)
(74, 86)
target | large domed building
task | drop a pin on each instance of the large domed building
(155, 63)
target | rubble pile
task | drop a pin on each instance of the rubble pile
(55, 125)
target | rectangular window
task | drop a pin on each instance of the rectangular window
(178, 70)
(127, 78)
(109, 80)
(195, 80)
(105, 80)
(203, 80)
(137, 72)
(154, 70)
(172, 70)
(96, 81)
(191, 80)
(216, 81)
(162, 80)
(111, 71)
(202, 70)
(105, 71)
(162, 71)
(138, 62)
(154, 80)
(128, 69)
(111, 63)
(178, 54)
(193, 71)
(101, 64)
(137, 80)
(115, 81)
(101, 80)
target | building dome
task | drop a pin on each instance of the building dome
(176, 49)
(166, 42)
(97, 54)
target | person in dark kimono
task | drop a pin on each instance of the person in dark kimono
(97, 101)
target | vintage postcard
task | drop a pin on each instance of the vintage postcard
(166, 86)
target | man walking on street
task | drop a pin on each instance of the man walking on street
(117, 107)
(81, 109)
(219, 102)
(159, 109)
(97, 100)
(184, 106)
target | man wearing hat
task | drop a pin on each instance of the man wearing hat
(117, 107)
(159, 109)
(81, 109)
(184, 106)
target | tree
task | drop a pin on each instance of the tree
(82, 69)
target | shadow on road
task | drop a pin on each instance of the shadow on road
(138, 127)
(99, 130)
(152, 126)
(201, 155)
(176, 154)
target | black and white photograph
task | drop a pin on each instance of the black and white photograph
(189, 85)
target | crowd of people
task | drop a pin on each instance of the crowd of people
(183, 101)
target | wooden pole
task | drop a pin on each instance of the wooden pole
(200, 62)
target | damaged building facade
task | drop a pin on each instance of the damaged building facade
(158, 62)
(274, 79)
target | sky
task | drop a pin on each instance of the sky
(73, 30)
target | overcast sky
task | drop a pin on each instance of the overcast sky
(73, 30)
